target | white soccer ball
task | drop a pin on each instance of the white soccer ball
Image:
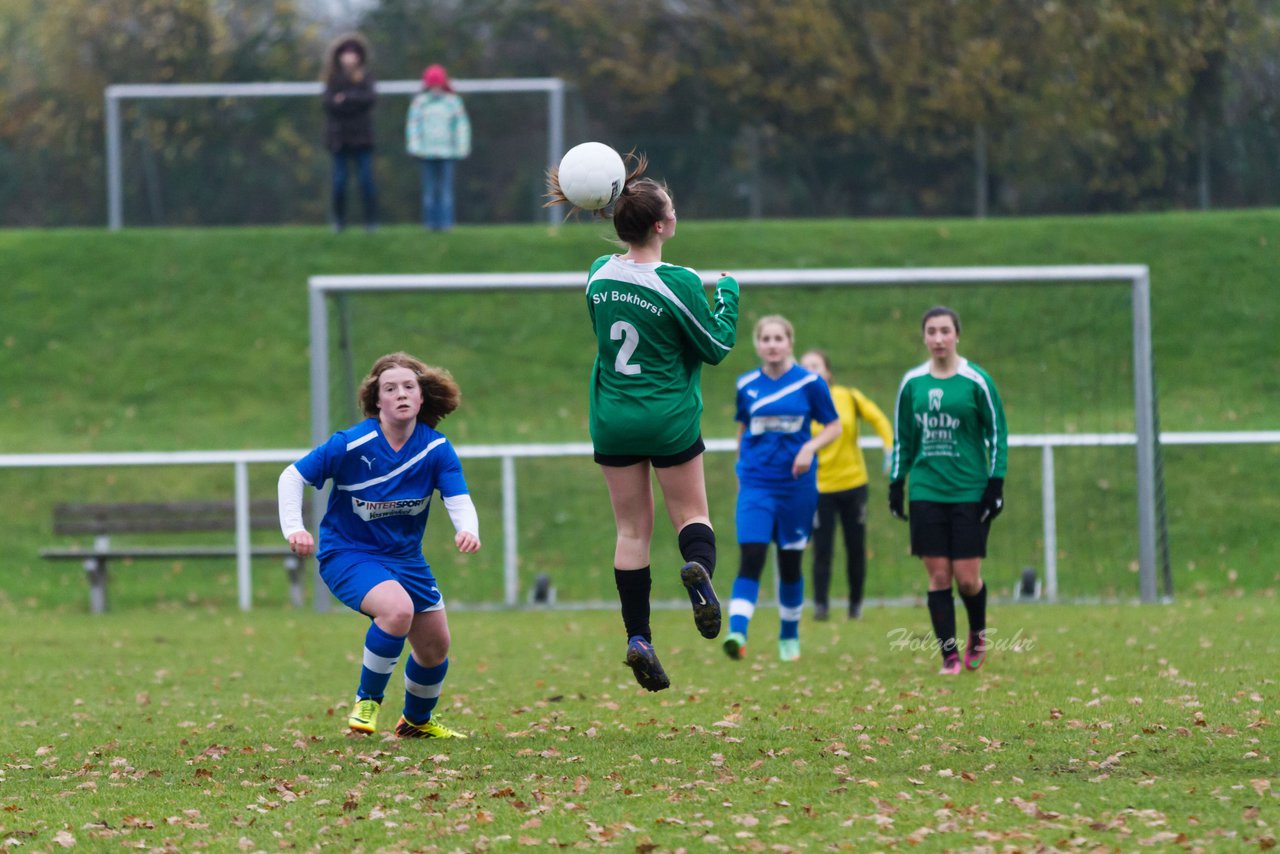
(591, 175)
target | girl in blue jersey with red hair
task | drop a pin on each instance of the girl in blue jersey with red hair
(384, 470)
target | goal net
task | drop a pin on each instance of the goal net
(264, 142)
(1069, 348)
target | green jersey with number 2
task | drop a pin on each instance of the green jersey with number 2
(654, 329)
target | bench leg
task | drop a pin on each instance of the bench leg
(95, 569)
(293, 566)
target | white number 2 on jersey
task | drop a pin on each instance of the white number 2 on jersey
(630, 341)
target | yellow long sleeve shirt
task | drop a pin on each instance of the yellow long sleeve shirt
(841, 465)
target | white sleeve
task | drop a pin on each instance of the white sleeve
(463, 514)
(289, 491)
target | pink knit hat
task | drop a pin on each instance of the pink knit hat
(435, 77)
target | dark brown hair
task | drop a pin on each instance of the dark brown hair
(639, 205)
(821, 354)
(333, 72)
(440, 393)
(939, 311)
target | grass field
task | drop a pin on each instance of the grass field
(1094, 728)
(176, 723)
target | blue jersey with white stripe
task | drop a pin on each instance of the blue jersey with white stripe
(380, 497)
(776, 414)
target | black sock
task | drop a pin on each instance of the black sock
(942, 611)
(976, 606)
(698, 542)
(633, 593)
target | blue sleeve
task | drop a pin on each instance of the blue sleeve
(821, 407)
(323, 462)
(741, 413)
(449, 478)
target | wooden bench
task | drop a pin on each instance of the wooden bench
(102, 521)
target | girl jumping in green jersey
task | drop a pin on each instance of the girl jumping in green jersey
(654, 329)
(950, 436)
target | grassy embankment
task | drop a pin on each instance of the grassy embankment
(184, 340)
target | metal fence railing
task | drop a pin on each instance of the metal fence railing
(508, 454)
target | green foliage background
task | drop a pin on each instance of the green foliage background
(809, 108)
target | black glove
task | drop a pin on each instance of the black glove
(896, 508)
(992, 500)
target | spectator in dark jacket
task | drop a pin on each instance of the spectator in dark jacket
(349, 96)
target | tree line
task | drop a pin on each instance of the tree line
(747, 107)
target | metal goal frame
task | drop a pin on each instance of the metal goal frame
(554, 87)
(1152, 569)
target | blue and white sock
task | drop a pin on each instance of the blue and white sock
(381, 651)
(742, 605)
(790, 605)
(422, 689)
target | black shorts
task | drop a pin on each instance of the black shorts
(947, 530)
(658, 462)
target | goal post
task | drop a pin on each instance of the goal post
(1155, 580)
(113, 95)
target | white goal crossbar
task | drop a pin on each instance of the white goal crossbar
(554, 87)
(1136, 276)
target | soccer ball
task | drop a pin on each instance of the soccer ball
(591, 175)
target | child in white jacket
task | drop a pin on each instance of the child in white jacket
(437, 132)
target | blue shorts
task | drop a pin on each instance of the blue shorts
(781, 514)
(351, 575)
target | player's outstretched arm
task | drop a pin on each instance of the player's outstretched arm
(713, 329)
(462, 513)
(289, 490)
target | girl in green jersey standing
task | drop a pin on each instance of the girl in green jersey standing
(950, 437)
(654, 329)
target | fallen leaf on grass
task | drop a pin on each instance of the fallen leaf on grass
(1033, 809)
(1164, 837)
(917, 836)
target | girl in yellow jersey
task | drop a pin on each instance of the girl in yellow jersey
(842, 489)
